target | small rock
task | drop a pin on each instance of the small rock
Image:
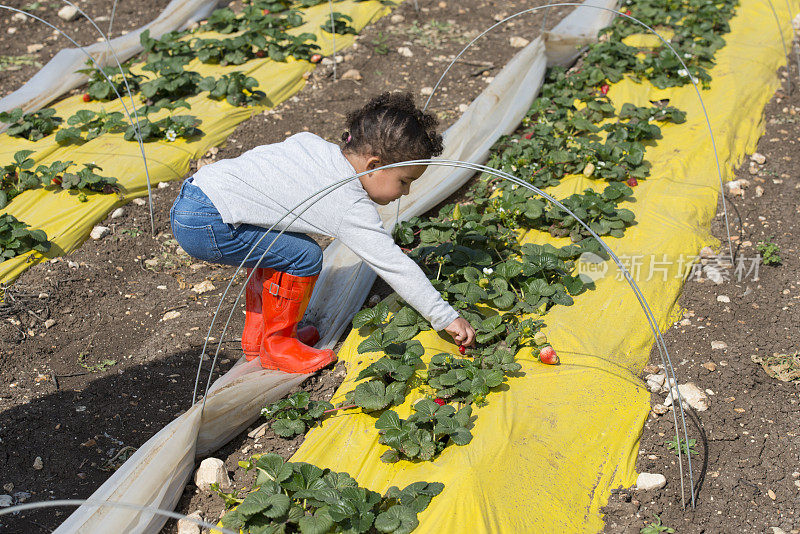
(99, 232)
(171, 315)
(426, 91)
(691, 395)
(650, 481)
(685, 322)
(203, 287)
(753, 168)
(11, 31)
(19, 17)
(758, 158)
(351, 74)
(777, 530)
(6, 501)
(37, 463)
(197, 266)
(718, 345)
(518, 42)
(49, 323)
(759, 191)
(397, 18)
(211, 470)
(723, 298)
(655, 382)
(67, 12)
(660, 409)
(713, 274)
(463, 108)
(72, 264)
(405, 51)
(374, 300)
(22, 496)
(139, 201)
(771, 494)
(711, 366)
(43, 296)
(33, 48)
(163, 185)
(117, 213)
(185, 526)
(651, 369)
(151, 262)
(707, 253)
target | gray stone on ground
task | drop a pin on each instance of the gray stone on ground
(691, 395)
(186, 526)
(211, 471)
(117, 213)
(68, 12)
(650, 481)
(6, 501)
(518, 42)
(99, 232)
(140, 201)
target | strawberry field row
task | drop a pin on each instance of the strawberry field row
(471, 251)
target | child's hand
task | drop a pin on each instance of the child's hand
(462, 332)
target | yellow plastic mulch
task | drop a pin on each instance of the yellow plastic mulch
(548, 449)
(67, 221)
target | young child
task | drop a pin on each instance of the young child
(227, 206)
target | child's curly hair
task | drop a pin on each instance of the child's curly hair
(392, 128)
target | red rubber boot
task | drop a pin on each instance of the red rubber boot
(254, 322)
(284, 301)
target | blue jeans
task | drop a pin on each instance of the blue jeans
(198, 228)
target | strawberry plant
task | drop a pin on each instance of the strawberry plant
(16, 239)
(425, 433)
(341, 24)
(17, 177)
(168, 128)
(100, 89)
(31, 126)
(293, 415)
(236, 88)
(172, 81)
(86, 125)
(85, 178)
(300, 497)
(769, 252)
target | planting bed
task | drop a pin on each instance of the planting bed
(62, 397)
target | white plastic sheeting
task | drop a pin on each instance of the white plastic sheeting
(59, 76)
(565, 42)
(157, 473)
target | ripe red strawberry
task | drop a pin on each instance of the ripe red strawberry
(633, 182)
(462, 349)
(628, 12)
(548, 355)
(266, 11)
(604, 89)
(86, 97)
(316, 58)
(439, 401)
(260, 53)
(56, 181)
(528, 135)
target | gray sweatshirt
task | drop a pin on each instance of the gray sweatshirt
(263, 184)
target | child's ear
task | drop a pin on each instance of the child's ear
(373, 163)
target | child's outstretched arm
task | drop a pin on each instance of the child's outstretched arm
(362, 231)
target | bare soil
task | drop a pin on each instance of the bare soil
(111, 372)
(17, 35)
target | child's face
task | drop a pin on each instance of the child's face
(387, 185)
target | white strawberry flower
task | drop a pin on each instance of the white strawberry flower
(683, 72)
(487, 271)
(171, 135)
